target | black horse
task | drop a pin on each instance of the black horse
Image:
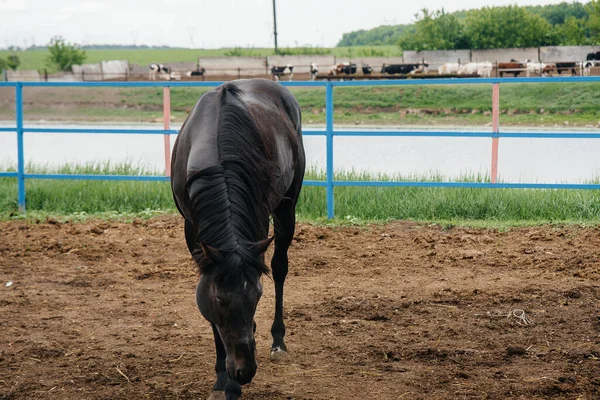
(239, 159)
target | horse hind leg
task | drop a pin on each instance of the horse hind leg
(284, 224)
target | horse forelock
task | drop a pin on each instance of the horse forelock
(225, 222)
(241, 263)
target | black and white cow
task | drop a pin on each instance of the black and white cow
(366, 69)
(592, 60)
(566, 66)
(347, 68)
(342, 68)
(593, 56)
(198, 72)
(586, 67)
(160, 70)
(404, 68)
(278, 72)
(314, 70)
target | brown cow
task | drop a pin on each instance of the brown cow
(511, 66)
(548, 69)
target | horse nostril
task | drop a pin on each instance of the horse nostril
(240, 375)
(244, 375)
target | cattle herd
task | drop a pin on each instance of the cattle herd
(348, 70)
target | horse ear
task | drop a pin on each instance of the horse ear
(210, 253)
(263, 245)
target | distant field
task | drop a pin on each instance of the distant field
(521, 104)
(36, 59)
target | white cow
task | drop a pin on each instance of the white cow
(536, 68)
(314, 70)
(448, 68)
(483, 69)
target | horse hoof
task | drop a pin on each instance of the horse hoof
(217, 395)
(279, 355)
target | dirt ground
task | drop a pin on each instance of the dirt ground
(106, 310)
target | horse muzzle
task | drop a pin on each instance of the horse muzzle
(245, 375)
(242, 365)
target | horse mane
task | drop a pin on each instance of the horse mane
(230, 205)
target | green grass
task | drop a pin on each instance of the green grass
(36, 59)
(486, 207)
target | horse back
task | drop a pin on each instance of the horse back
(276, 117)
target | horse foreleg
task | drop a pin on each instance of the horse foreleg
(219, 388)
(233, 390)
(284, 223)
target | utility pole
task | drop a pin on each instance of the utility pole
(275, 27)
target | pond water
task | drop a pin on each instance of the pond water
(520, 160)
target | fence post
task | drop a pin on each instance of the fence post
(20, 145)
(495, 130)
(329, 157)
(167, 126)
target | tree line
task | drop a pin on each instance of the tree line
(101, 47)
(62, 55)
(563, 24)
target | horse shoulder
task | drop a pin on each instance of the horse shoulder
(196, 145)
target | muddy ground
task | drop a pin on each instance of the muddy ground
(105, 310)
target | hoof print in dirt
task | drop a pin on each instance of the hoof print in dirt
(515, 351)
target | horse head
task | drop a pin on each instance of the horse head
(227, 296)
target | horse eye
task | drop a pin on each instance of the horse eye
(221, 302)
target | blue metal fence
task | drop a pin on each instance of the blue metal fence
(329, 133)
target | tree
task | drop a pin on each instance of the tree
(574, 32)
(557, 14)
(380, 35)
(593, 9)
(13, 62)
(435, 30)
(64, 55)
(505, 27)
(3, 65)
(566, 23)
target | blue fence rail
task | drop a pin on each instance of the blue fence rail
(329, 133)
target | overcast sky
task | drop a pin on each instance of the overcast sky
(209, 24)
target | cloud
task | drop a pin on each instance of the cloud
(209, 24)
